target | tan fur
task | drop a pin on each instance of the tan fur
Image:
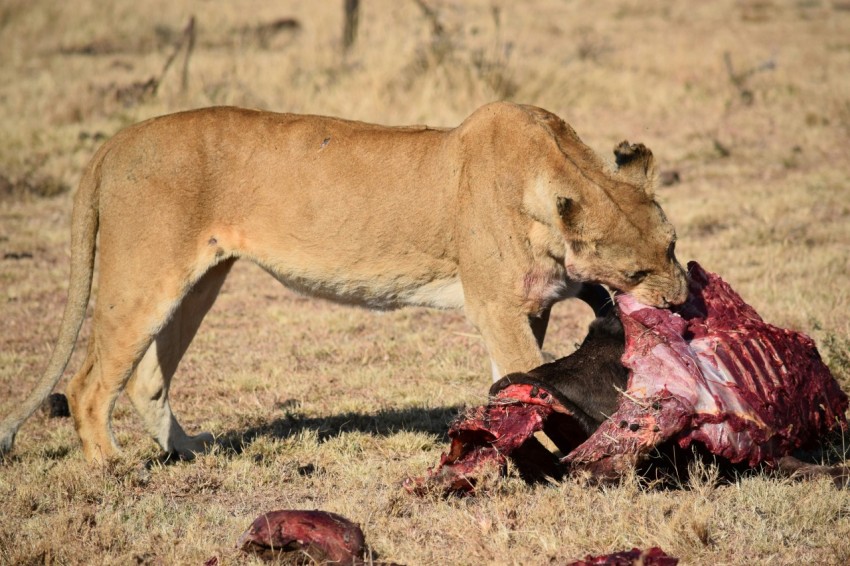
(502, 216)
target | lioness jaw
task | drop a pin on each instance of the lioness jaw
(503, 216)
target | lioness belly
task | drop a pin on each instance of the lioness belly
(360, 272)
(379, 293)
(441, 294)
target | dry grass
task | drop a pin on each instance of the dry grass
(320, 406)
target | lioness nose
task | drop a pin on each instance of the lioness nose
(680, 297)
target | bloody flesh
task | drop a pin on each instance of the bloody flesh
(651, 557)
(710, 371)
(486, 436)
(319, 535)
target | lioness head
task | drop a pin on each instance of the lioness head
(615, 231)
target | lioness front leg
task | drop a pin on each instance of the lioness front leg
(508, 335)
(149, 385)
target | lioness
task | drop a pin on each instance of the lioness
(503, 216)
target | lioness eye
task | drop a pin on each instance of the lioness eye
(637, 276)
(671, 250)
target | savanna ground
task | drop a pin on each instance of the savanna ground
(322, 406)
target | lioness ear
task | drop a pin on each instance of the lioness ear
(635, 162)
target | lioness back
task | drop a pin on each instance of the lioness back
(307, 197)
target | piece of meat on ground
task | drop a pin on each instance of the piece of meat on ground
(651, 557)
(319, 536)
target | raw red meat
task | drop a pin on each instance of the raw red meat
(710, 371)
(486, 436)
(319, 536)
(651, 557)
(714, 372)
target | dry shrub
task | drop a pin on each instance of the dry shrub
(39, 186)
(446, 58)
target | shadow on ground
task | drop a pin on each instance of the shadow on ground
(433, 420)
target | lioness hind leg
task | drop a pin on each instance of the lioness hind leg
(95, 387)
(130, 312)
(148, 387)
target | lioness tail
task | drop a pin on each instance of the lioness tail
(84, 225)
